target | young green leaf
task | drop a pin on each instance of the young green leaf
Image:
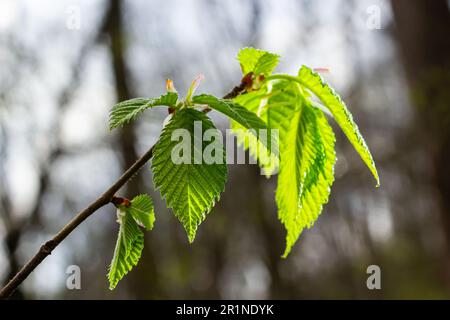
(233, 110)
(257, 61)
(125, 111)
(191, 186)
(314, 82)
(266, 64)
(306, 172)
(275, 109)
(142, 211)
(267, 160)
(127, 253)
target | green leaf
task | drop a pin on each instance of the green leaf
(241, 115)
(314, 82)
(125, 111)
(266, 64)
(142, 211)
(275, 108)
(306, 172)
(190, 189)
(257, 61)
(233, 110)
(127, 253)
(247, 120)
(267, 160)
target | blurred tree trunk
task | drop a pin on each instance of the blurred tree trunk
(117, 37)
(422, 32)
(114, 29)
(17, 228)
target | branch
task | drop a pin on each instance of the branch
(107, 197)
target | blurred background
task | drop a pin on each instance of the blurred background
(63, 64)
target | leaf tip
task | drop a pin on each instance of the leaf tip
(112, 283)
(191, 235)
(288, 248)
(377, 177)
(286, 252)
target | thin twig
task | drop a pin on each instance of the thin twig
(47, 248)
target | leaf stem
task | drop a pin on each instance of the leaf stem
(284, 77)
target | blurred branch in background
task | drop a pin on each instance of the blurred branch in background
(16, 228)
